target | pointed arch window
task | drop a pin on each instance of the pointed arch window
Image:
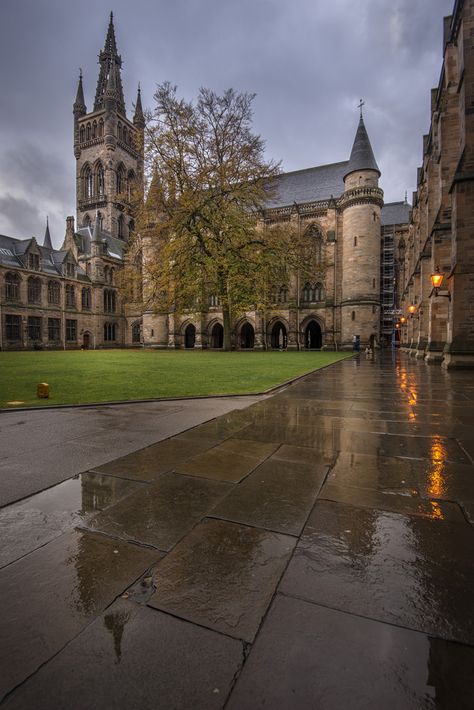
(88, 183)
(120, 227)
(124, 135)
(101, 128)
(282, 296)
(82, 134)
(110, 332)
(100, 179)
(119, 131)
(94, 129)
(86, 299)
(88, 132)
(12, 287)
(130, 184)
(120, 179)
(86, 222)
(100, 220)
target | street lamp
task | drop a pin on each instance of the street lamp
(436, 281)
(403, 320)
(411, 309)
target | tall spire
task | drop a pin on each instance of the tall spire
(47, 237)
(79, 106)
(362, 155)
(138, 118)
(110, 62)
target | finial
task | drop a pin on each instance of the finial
(80, 73)
(359, 106)
(111, 16)
(406, 197)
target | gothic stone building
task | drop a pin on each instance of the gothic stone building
(69, 298)
(439, 324)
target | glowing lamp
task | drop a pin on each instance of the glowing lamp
(403, 320)
(437, 278)
(411, 309)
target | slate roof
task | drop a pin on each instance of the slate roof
(395, 213)
(83, 238)
(12, 254)
(309, 185)
(362, 155)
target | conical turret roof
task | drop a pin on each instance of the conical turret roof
(362, 155)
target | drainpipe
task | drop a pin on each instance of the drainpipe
(335, 283)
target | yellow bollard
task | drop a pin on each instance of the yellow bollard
(42, 390)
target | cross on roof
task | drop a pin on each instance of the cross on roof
(359, 106)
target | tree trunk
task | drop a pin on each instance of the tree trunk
(227, 345)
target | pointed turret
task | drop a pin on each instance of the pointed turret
(110, 63)
(362, 155)
(139, 118)
(79, 106)
(96, 232)
(47, 237)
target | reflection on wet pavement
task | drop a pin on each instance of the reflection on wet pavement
(222, 576)
(329, 527)
(55, 591)
(27, 525)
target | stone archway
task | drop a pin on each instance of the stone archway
(190, 336)
(247, 336)
(217, 336)
(278, 336)
(313, 336)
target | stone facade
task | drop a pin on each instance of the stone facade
(338, 207)
(440, 326)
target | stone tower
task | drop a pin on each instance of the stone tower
(108, 148)
(361, 205)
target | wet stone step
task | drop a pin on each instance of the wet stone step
(161, 513)
(149, 463)
(135, 657)
(307, 656)
(402, 569)
(56, 591)
(222, 576)
(31, 523)
(277, 496)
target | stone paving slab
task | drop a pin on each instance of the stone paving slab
(230, 461)
(161, 513)
(401, 569)
(33, 522)
(222, 576)
(148, 464)
(135, 657)
(398, 503)
(55, 592)
(307, 656)
(277, 496)
(434, 479)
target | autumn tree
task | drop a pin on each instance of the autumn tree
(209, 181)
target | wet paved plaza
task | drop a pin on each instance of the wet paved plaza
(314, 550)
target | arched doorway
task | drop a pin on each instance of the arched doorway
(278, 336)
(247, 336)
(86, 340)
(217, 336)
(136, 332)
(313, 337)
(189, 336)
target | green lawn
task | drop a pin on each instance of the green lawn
(109, 375)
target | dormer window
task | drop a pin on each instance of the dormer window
(33, 261)
(70, 269)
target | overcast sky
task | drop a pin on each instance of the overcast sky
(308, 61)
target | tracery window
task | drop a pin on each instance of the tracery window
(34, 290)
(12, 287)
(282, 295)
(88, 183)
(70, 296)
(100, 180)
(54, 292)
(86, 299)
(110, 332)
(110, 301)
